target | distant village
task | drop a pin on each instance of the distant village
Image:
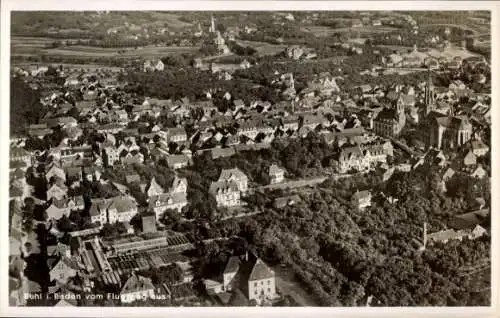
(108, 133)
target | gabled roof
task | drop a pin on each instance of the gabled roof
(358, 195)
(176, 159)
(15, 192)
(69, 262)
(223, 186)
(18, 152)
(137, 283)
(176, 131)
(229, 174)
(260, 271)
(153, 185)
(274, 169)
(178, 181)
(122, 204)
(168, 199)
(387, 114)
(233, 264)
(131, 178)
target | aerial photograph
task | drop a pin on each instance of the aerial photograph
(250, 158)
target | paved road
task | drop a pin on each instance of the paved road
(294, 183)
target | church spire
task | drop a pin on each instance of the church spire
(429, 92)
(212, 24)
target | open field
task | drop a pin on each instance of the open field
(25, 46)
(171, 19)
(322, 31)
(144, 52)
(451, 52)
(69, 66)
(448, 53)
(475, 29)
(263, 48)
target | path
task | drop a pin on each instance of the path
(294, 183)
(288, 285)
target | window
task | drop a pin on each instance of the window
(255, 284)
(255, 292)
(269, 290)
(269, 282)
(262, 282)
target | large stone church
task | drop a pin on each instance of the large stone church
(215, 39)
(443, 130)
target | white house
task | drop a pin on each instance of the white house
(236, 175)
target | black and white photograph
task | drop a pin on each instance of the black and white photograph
(215, 158)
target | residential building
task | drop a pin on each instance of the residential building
(179, 185)
(276, 174)
(252, 276)
(362, 199)
(236, 175)
(177, 161)
(153, 65)
(121, 209)
(112, 155)
(63, 269)
(153, 188)
(479, 172)
(167, 201)
(57, 209)
(479, 148)
(137, 288)
(360, 158)
(57, 191)
(469, 158)
(177, 135)
(226, 193)
(116, 209)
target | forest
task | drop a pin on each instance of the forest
(342, 254)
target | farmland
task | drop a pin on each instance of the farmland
(447, 53)
(25, 46)
(264, 48)
(143, 52)
(70, 66)
(323, 31)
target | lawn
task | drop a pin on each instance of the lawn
(288, 285)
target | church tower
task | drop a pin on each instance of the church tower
(429, 94)
(212, 25)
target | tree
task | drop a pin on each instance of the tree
(64, 224)
(25, 107)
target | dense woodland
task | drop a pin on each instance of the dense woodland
(342, 255)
